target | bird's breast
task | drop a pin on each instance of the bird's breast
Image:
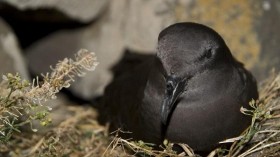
(207, 112)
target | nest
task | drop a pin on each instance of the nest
(81, 135)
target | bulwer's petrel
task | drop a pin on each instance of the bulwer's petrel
(190, 92)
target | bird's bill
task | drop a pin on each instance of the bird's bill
(170, 97)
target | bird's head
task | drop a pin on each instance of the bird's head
(186, 49)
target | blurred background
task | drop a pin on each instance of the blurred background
(35, 34)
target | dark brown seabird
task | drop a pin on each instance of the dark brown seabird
(190, 92)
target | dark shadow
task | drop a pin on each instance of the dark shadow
(129, 61)
(32, 25)
(124, 66)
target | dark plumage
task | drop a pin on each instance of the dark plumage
(190, 92)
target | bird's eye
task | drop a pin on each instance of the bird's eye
(208, 53)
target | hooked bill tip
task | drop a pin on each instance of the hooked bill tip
(164, 116)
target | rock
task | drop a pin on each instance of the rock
(103, 37)
(269, 36)
(82, 10)
(144, 21)
(135, 24)
(11, 59)
(117, 29)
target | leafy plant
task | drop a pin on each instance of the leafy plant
(21, 102)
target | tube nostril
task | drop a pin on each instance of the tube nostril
(169, 86)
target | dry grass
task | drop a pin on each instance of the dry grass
(82, 136)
